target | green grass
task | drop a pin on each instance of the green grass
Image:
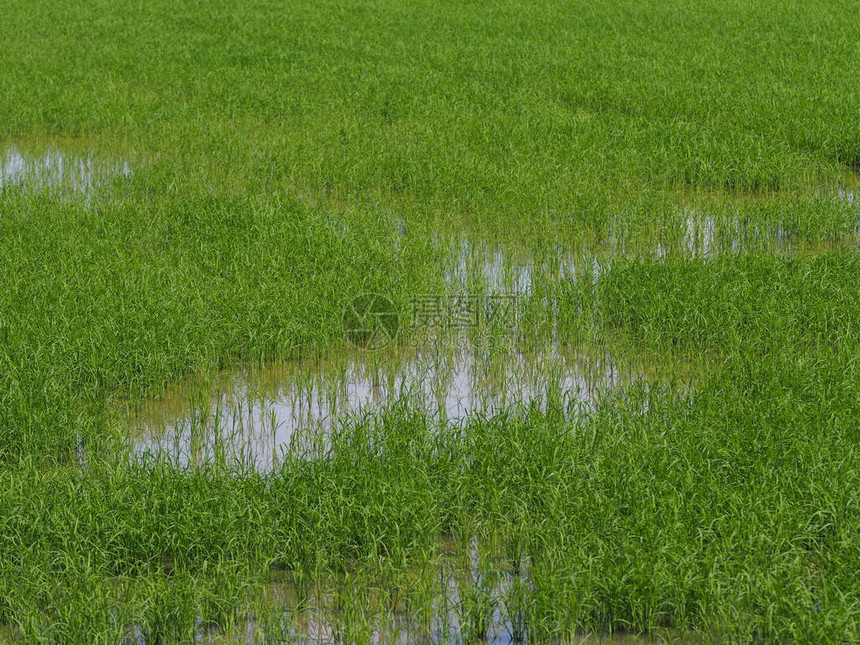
(288, 156)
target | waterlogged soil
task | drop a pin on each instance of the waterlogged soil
(461, 587)
(252, 417)
(258, 414)
(692, 233)
(54, 169)
(312, 628)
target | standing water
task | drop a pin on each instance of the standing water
(57, 170)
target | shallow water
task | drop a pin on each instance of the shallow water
(55, 169)
(253, 416)
(459, 354)
(444, 370)
(849, 195)
(434, 605)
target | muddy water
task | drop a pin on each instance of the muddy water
(54, 169)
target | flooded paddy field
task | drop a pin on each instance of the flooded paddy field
(562, 442)
(373, 323)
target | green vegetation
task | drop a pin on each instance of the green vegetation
(695, 162)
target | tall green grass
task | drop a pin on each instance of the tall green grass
(683, 157)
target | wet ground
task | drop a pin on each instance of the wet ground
(259, 414)
(447, 373)
(55, 169)
(456, 354)
(467, 596)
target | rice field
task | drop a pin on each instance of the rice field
(433, 322)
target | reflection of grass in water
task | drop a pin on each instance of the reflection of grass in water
(262, 412)
(68, 171)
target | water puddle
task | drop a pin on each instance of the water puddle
(453, 370)
(491, 269)
(252, 417)
(706, 236)
(56, 170)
